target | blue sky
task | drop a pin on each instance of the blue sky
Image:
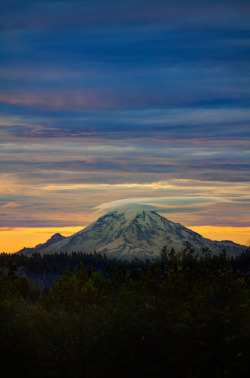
(111, 99)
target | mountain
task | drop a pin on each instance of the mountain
(128, 233)
(40, 247)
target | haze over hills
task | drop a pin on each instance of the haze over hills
(130, 233)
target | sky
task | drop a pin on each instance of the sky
(139, 101)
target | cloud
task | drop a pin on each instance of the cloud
(79, 100)
(39, 15)
(157, 202)
(103, 186)
(11, 204)
(105, 100)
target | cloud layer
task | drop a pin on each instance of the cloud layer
(105, 101)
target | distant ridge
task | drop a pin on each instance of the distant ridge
(39, 247)
(128, 233)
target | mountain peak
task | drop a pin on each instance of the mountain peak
(131, 232)
(56, 236)
(131, 213)
(129, 209)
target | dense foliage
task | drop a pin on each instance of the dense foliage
(181, 316)
(42, 270)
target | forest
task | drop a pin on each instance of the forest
(182, 315)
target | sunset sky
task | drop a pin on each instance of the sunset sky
(137, 100)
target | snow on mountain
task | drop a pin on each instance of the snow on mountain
(130, 233)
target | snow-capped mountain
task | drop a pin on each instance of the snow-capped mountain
(128, 233)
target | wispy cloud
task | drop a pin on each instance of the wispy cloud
(11, 204)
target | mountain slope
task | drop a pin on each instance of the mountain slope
(40, 247)
(127, 234)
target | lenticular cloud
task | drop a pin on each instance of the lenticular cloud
(157, 202)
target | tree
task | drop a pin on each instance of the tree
(12, 270)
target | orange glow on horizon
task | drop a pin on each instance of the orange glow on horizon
(14, 239)
(240, 235)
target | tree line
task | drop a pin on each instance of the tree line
(182, 315)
